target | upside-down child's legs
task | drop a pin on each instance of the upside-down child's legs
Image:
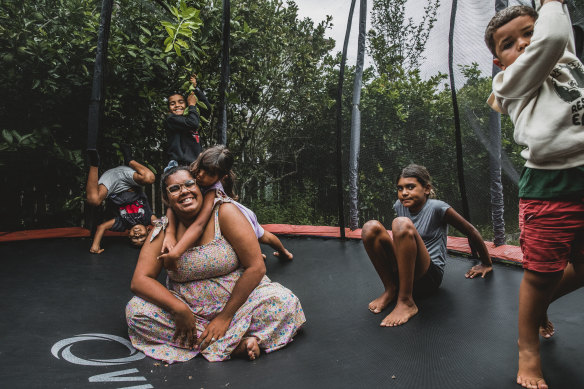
(379, 248)
(535, 294)
(275, 243)
(143, 175)
(95, 193)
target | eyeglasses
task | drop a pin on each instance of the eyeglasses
(177, 188)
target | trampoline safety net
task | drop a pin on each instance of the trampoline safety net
(425, 61)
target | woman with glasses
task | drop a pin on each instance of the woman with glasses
(218, 302)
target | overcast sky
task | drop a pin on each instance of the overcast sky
(472, 18)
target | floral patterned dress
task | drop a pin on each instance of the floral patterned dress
(204, 280)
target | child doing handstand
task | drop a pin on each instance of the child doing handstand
(411, 261)
(214, 174)
(541, 87)
(122, 187)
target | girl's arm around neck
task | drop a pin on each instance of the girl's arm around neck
(461, 224)
(195, 230)
(170, 236)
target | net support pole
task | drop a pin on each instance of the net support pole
(224, 82)
(496, 187)
(96, 101)
(95, 114)
(356, 121)
(457, 131)
(339, 123)
(497, 204)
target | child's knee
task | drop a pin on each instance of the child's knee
(371, 229)
(402, 226)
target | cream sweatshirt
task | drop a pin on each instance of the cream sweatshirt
(543, 93)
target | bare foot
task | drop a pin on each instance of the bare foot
(381, 302)
(249, 347)
(284, 254)
(96, 251)
(402, 312)
(529, 374)
(546, 328)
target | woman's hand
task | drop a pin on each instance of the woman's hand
(214, 331)
(185, 333)
(168, 243)
(479, 269)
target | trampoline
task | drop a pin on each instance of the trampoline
(63, 326)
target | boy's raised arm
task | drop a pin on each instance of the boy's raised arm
(551, 35)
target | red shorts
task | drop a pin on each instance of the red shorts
(552, 234)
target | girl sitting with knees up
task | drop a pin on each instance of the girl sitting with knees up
(214, 174)
(411, 261)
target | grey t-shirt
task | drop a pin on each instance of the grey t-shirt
(429, 222)
(118, 180)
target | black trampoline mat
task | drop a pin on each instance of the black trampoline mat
(463, 337)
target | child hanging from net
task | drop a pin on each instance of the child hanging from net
(214, 174)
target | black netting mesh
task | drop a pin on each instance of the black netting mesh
(281, 110)
(410, 119)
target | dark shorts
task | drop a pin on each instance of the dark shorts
(429, 282)
(552, 234)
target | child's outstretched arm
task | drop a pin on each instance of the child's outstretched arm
(192, 234)
(457, 221)
(96, 245)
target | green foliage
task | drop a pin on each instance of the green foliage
(396, 40)
(186, 25)
(281, 104)
(48, 51)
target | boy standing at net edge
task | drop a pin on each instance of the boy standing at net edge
(541, 88)
(182, 131)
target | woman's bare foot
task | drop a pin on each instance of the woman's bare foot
(546, 328)
(529, 374)
(402, 312)
(284, 254)
(248, 347)
(381, 302)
